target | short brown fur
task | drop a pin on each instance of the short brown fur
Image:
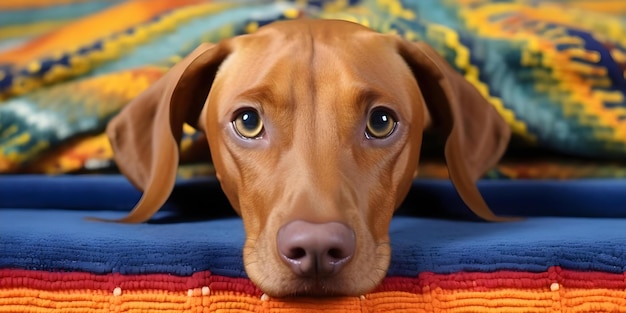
(314, 83)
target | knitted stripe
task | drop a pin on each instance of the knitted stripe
(556, 290)
(478, 281)
(554, 69)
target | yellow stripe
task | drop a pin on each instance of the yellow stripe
(31, 29)
(462, 61)
(573, 88)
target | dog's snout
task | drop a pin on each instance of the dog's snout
(316, 250)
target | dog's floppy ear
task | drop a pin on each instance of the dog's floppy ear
(476, 135)
(145, 135)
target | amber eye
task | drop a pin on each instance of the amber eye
(380, 124)
(248, 124)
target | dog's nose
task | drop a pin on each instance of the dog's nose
(316, 250)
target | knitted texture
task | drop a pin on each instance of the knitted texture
(555, 290)
(55, 260)
(553, 69)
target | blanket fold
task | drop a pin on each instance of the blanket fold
(553, 69)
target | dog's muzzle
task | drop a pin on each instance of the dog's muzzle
(316, 250)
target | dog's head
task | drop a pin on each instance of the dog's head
(315, 130)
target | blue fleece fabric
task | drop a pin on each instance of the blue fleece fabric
(43, 227)
(61, 240)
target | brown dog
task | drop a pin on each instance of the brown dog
(315, 130)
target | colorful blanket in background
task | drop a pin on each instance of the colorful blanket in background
(555, 70)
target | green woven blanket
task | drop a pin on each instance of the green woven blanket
(555, 70)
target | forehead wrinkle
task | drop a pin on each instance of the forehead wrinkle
(366, 96)
(388, 84)
(261, 95)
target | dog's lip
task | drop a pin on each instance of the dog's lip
(333, 286)
(336, 268)
(316, 287)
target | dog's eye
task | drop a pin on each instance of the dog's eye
(248, 124)
(380, 124)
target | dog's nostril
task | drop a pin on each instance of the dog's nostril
(296, 253)
(315, 249)
(336, 254)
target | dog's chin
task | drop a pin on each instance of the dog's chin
(319, 287)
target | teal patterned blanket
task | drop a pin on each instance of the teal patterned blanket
(555, 69)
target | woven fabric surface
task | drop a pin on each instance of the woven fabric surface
(553, 69)
(555, 290)
(49, 241)
(58, 260)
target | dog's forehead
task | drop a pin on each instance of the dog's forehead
(300, 35)
(294, 61)
(317, 48)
